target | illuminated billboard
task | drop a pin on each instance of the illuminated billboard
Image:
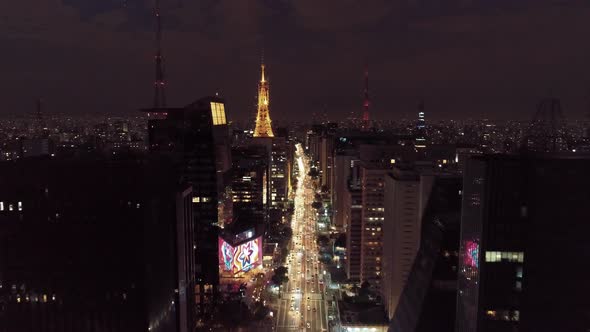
(243, 257)
(472, 254)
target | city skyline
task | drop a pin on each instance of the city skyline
(457, 59)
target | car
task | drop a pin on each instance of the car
(308, 325)
(314, 309)
(308, 308)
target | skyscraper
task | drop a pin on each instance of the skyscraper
(353, 215)
(95, 244)
(401, 232)
(428, 298)
(524, 227)
(249, 173)
(197, 137)
(341, 175)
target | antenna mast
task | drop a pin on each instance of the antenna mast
(159, 83)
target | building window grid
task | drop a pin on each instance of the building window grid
(504, 256)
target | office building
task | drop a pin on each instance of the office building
(353, 218)
(401, 232)
(523, 253)
(428, 298)
(249, 183)
(279, 172)
(326, 162)
(95, 245)
(376, 162)
(197, 137)
(341, 175)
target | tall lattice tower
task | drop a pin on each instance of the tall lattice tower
(366, 122)
(159, 83)
(548, 131)
(263, 123)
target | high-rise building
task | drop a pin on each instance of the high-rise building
(249, 174)
(401, 232)
(94, 244)
(342, 172)
(373, 181)
(353, 218)
(376, 161)
(523, 227)
(428, 298)
(197, 137)
(363, 208)
(327, 161)
(279, 172)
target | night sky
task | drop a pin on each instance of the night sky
(465, 58)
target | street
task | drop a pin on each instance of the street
(302, 306)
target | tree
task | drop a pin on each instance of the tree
(314, 173)
(233, 313)
(260, 311)
(316, 205)
(280, 275)
(323, 240)
(281, 270)
(365, 289)
(341, 241)
(287, 232)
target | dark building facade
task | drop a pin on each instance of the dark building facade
(427, 302)
(197, 137)
(279, 172)
(524, 252)
(94, 245)
(249, 183)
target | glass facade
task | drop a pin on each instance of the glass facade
(218, 113)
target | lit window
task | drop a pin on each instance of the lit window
(518, 285)
(196, 199)
(10, 207)
(519, 272)
(516, 315)
(1, 206)
(218, 113)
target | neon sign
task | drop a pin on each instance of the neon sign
(243, 257)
